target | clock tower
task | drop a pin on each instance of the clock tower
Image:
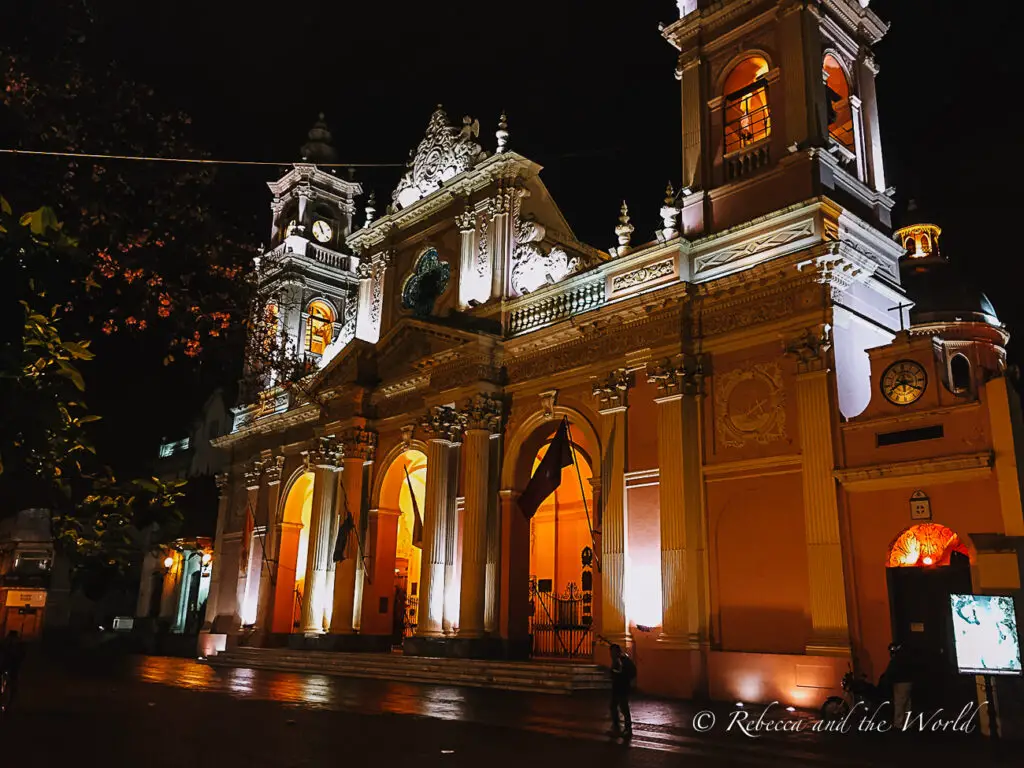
(308, 277)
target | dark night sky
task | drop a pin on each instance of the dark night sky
(590, 95)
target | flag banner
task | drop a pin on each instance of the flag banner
(417, 524)
(246, 543)
(344, 533)
(549, 473)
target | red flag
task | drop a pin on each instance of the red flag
(549, 474)
(417, 523)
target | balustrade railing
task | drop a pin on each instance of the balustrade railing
(535, 311)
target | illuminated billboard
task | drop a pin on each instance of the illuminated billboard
(985, 635)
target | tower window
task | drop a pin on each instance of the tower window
(319, 327)
(747, 117)
(960, 373)
(840, 114)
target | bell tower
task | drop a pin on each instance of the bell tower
(778, 102)
(308, 279)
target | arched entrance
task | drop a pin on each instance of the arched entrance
(401, 498)
(535, 554)
(291, 569)
(926, 564)
(562, 564)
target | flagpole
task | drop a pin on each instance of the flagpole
(348, 514)
(583, 493)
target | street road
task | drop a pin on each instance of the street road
(155, 712)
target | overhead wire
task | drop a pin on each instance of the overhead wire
(194, 160)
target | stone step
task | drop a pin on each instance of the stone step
(368, 659)
(518, 676)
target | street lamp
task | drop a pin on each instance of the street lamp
(168, 562)
(207, 557)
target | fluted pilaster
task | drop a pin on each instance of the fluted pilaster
(443, 427)
(829, 621)
(482, 418)
(272, 537)
(611, 394)
(679, 462)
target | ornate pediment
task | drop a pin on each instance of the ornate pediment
(414, 349)
(444, 153)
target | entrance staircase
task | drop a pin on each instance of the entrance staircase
(536, 677)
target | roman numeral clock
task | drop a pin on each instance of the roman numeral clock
(904, 382)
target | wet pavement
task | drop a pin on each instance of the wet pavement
(158, 711)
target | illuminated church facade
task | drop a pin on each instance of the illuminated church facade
(768, 431)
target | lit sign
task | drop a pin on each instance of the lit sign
(34, 598)
(985, 634)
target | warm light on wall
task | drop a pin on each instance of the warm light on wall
(643, 593)
(926, 544)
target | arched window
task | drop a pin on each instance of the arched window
(319, 327)
(911, 245)
(747, 117)
(840, 115)
(960, 373)
(926, 244)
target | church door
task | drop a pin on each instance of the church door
(920, 614)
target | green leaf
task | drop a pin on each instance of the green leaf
(69, 371)
(5, 207)
(89, 418)
(78, 351)
(41, 220)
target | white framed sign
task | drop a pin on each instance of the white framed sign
(920, 506)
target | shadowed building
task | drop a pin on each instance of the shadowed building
(756, 411)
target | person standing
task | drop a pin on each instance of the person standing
(899, 678)
(623, 673)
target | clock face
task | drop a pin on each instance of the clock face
(904, 382)
(322, 231)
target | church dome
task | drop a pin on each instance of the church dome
(941, 293)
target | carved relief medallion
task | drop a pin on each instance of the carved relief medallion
(750, 405)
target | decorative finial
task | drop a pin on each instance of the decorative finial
(371, 208)
(624, 231)
(318, 148)
(669, 214)
(502, 133)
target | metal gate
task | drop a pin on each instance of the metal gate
(562, 625)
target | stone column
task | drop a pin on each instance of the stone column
(252, 490)
(482, 418)
(829, 623)
(492, 587)
(325, 459)
(272, 537)
(858, 138)
(359, 446)
(443, 427)
(223, 510)
(452, 563)
(611, 394)
(867, 70)
(677, 442)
